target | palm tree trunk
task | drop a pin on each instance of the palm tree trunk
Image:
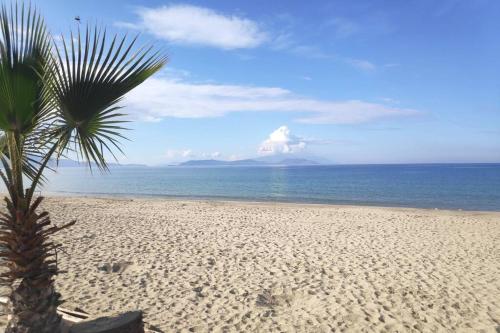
(33, 309)
(33, 301)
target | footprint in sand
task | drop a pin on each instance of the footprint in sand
(117, 267)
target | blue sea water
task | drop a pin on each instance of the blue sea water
(443, 186)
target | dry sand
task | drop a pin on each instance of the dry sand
(198, 266)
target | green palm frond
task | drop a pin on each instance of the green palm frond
(89, 76)
(33, 153)
(25, 48)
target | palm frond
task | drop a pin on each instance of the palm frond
(88, 78)
(33, 151)
(24, 51)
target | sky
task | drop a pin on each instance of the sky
(348, 81)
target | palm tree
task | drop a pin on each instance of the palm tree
(53, 100)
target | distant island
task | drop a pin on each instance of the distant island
(250, 162)
(261, 161)
(68, 163)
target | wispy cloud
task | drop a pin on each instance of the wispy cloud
(391, 65)
(389, 100)
(286, 42)
(184, 154)
(351, 112)
(176, 154)
(343, 27)
(162, 97)
(361, 64)
(311, 51)
(215, 154)
(193, 25)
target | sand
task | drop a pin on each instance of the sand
(199, 266)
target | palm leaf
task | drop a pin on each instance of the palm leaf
(34, 152)
(88, 78)
(24, 51)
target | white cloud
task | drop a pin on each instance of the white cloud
(215, 154)
(193, 25)
(281, 141)
(187, 153)
(162, 97)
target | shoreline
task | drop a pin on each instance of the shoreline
(255, 201)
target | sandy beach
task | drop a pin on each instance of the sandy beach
(200, 266)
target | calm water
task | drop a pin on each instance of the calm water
(459, 186)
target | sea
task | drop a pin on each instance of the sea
(433, 186)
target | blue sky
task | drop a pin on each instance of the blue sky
(351, 81)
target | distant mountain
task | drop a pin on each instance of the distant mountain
(201, 163)
(279, 158)
(297, 161)
(67, 163)
(247, 162)
(250, 162)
